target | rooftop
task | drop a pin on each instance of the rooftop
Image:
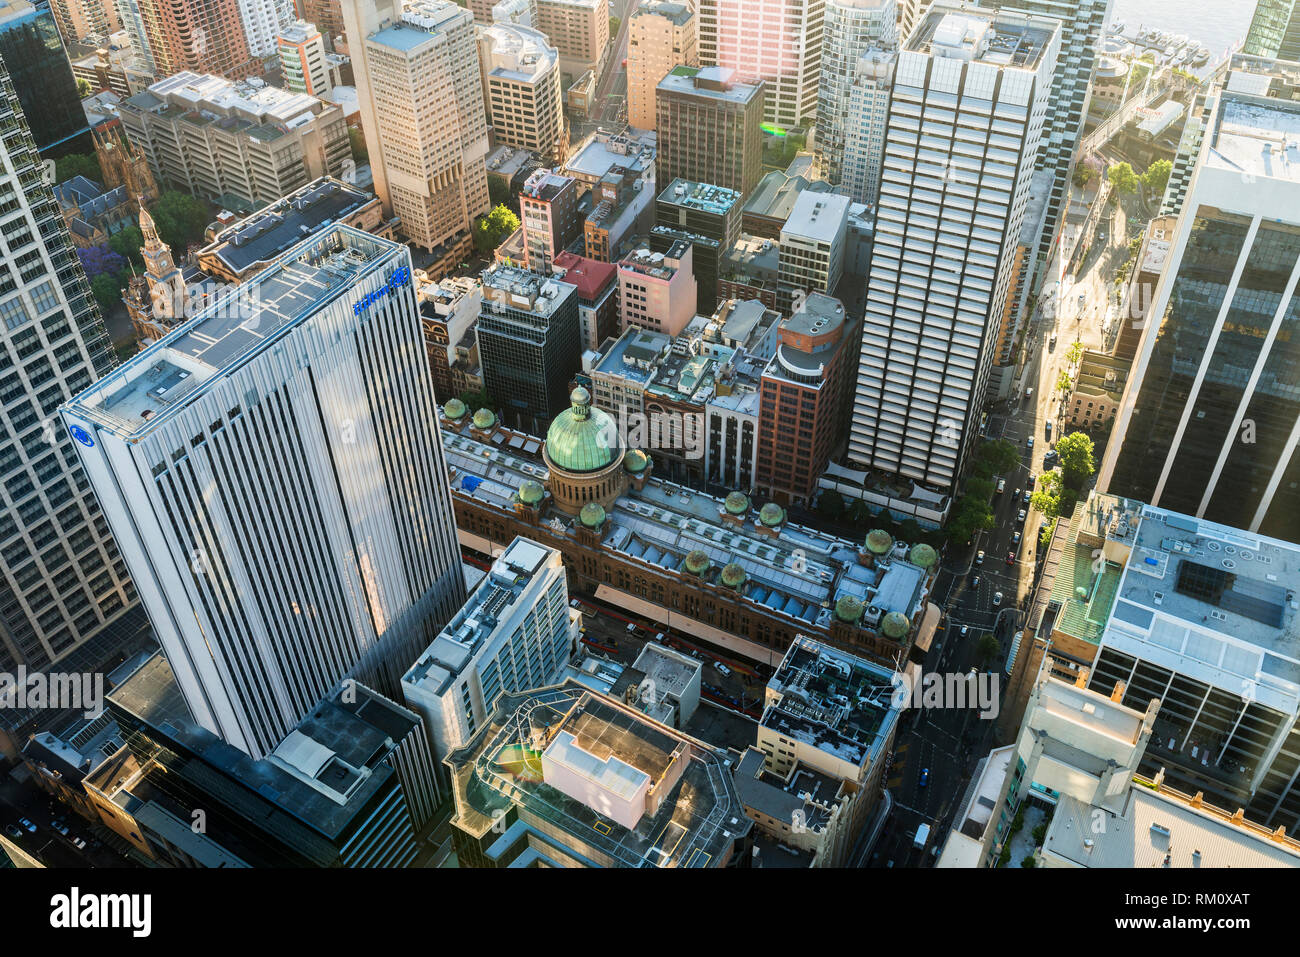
(520, 54)
(145, 389)
(272, 230)
(590, 276)
(633, 354)
(689, 813)
(657, 265)
(1214, 603)
(1009, 39)
(776, 193)
(816, 216)
(1256, 136)
(520, 289)
(421, 20)
(545, 184)
(714, 82)
(701, 196)
(797, 572)
(678, 13)
(603, 151)
(494, 600)
(1162, 829)
(835, 701)
(212, 99)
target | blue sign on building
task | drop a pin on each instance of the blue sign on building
(398, 279)
(82, 436)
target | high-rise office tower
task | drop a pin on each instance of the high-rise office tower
(851, 29)
(206, 36)
(422, 110)
(273, 474)
(710, 128)
(662, 35)
(909, 14)
(1274, 30)
(40, 74)
(579, 31)
(777, 41)
(1081, 26)
(327, 15)
(521, 84)
(969, 102)
(1210, 419)
(61, 577)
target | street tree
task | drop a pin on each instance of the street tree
(1123, 178)
(1077, 463)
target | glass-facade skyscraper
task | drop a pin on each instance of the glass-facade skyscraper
(1210, 420)
(62, 579)
(41, 74)
(1274, 30)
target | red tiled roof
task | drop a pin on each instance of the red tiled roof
(591, 276)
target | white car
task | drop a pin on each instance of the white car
(979, 558)
(997, 598)
(631, 628)
(722, 669)
(1021, 517)
(964, 630)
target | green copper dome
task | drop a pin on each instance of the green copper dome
(771, 514)
(455, 409)
(530, 493)
(582, 438)
(635, 461)
(848, 609)
(484, 419)
(922, 555)
(733, 576)
(697, 562)
(878, 541)
(736, 503)
(895, 625)
(592, 515)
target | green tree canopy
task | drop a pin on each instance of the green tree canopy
(1046, 497)
(127, 242)
(830, 503)
(493, 228)
(1156, 178)
(181, 220)
(1123, 178)
(1083, 175)
(987, 648)
(107, 291)
(1075, 352)
(77, 164)
(999, 455)
(357, 140)
(1077, 464)
(477, 400)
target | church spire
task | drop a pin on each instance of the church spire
(151, 240)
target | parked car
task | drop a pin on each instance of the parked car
(997, 598)
(964, 630)
(1029, 443)
(722, 669)
(1002, 486)
(631, 628)
(1028, 494)
(1015, 538)
(78, 843)
(1020, 516)
(1029, 394)
(1011, 558)
(27, 825)
(1048, 428)
(925, 778)
(573, 603)
(60, 827)
(12, 831)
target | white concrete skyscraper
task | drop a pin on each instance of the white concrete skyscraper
(61, 577)
(779, 41)
(969, 101)
(273, 474)
(416, 68)
(851, 29)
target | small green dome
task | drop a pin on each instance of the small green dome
(635, 461)
(923, 555)
(455, 409)
(592, 515)
(848, 608)
(733, 576)
(771, 514)
(736, 503)
(530, 493)
(895, 625)
(582, 438)
(484, 419)
(697, 562)
(878, 541)
(1080, 592)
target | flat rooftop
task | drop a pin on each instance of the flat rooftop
(633, 353)
(704, 197)
(421, 20)
(1215, 603)
(670, 671)
(1257, 136)
(835, 701)
(678, 13)
(713, 82)
(519, 54)
(1159, 829)
(495, 598)
(818, 217)
(694, 824)
(145, 389)
(603, 151)
(523, 290)
(274, 229)
(1009, 39)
